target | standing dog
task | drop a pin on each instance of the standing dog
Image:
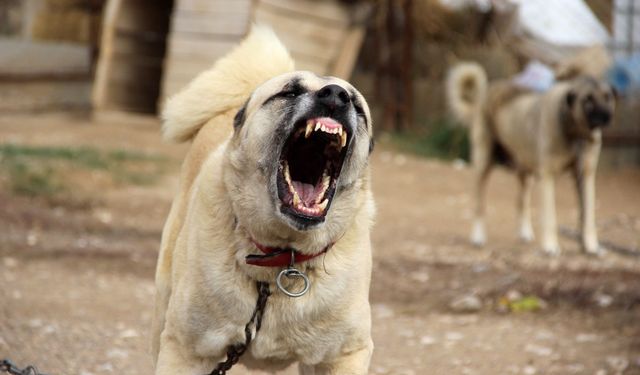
(536, 134)
(277, 176)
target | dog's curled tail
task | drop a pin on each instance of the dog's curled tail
(227, 85)
(466, 91)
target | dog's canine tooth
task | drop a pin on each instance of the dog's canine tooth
(343, 140)
(322, 206)
(309, 129)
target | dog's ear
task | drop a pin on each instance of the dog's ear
(570, 98)
(239, 118)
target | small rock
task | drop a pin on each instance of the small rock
(108, 367)
(383, 311)
(421, 277)
(427, 340)
(454, 336)
(129, 333)
(587, 337)
(400, 160)
(10, 262)
(466, 304)
(602, 299)
(542, 351)
(529, 370)
(459, 164)
(617, 364)
(117, 353)
(513, 295)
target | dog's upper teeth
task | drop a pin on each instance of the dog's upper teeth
(318, 126)
(343, 139)
(309, 129)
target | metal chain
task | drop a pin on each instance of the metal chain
(6, 366)
(234, 352)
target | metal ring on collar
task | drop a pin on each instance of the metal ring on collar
(289, 273)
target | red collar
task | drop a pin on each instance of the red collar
(279, 257)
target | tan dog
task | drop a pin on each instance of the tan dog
(279, 160)
(536, 134)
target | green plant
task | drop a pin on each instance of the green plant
(43, 171)
(442, 139)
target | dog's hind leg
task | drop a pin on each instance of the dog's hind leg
(524, 206)
(481, 157)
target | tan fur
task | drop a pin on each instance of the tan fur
(205, 291)
(543, 135)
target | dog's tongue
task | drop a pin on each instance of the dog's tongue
(307, 192)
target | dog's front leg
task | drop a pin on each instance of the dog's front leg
(585, 176)
(351, 363)
(588, 223)
(173, 359)
(549, 227)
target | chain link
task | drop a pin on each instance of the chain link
(6, 366)
(234, 352)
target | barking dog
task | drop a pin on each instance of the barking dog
(537, 135)
(277, 178)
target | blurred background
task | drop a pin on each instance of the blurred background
(86, 183)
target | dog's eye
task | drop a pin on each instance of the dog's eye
(290, 94)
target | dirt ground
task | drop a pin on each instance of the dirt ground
(76, 281)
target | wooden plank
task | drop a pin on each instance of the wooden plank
(212, 5)
(125, 45)
(304, 28)
(186, 46)
(300, 47)
(99, 92)
(303, 63)
(176, 66)
(224, 25)
(346, 60)
(331, 13)
(147, 17)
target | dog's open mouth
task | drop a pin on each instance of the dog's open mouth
(310, 165)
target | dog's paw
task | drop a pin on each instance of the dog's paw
(526, 233)
(594, 250)
(478, 235)
(551, 249)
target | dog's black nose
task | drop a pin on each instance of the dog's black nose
(333, 96)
